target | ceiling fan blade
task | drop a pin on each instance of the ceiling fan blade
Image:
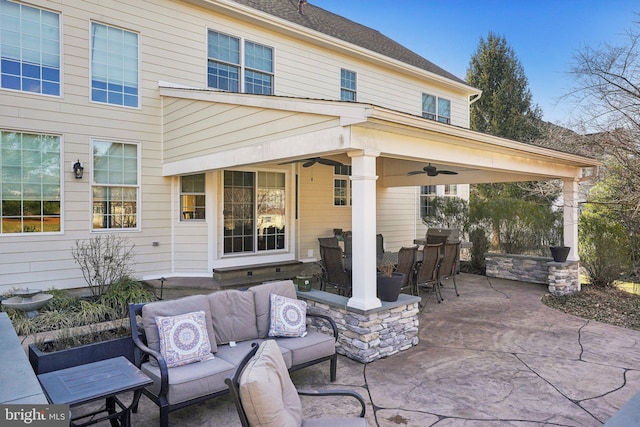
(448, 172)
(329, 162)
(292, 161)
(415, 172)
(309, 162)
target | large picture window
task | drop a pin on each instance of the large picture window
(427, 197)
(254, 211)
(115, 185)
(114, 66)
(30, 183)
(30, 49)
(227, 67)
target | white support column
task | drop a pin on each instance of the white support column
(363, 225)
(570, 196)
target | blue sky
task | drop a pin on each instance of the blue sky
(544, 34)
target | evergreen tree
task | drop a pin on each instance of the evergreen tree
(505, 109)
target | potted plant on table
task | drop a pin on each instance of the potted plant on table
(389, 282)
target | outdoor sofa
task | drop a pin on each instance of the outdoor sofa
(171, 340)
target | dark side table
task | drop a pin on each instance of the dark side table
(95, 381)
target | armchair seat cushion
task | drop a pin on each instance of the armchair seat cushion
(313, 346)
(193, 380)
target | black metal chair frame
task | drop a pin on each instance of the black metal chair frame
(407, 256)
(450, 256)
(334, 273)
(428, 271)
(233, 384)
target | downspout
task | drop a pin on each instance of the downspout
(473, 100)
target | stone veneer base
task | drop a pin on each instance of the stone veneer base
(368, 335)
(563, 278)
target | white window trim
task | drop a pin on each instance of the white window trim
(106, 104)
(242, 67)
(437, 114)
(138, 227)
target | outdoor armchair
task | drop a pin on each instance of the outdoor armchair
(264, 394)
(428, 270)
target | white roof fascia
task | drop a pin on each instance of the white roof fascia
(475, 136)
(349, 112)
(321, 39)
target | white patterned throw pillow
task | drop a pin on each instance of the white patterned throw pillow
(183, 338)
(288, 317)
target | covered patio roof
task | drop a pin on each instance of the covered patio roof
(206, 129)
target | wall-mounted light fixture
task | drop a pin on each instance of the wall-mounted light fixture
(78, 169)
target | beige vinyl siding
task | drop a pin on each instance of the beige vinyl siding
(173, 48)
(196, 128)
(396, 216)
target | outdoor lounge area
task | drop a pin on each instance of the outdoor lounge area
(494, 356)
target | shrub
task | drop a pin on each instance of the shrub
(480, 246)
(604, 247)
(104, 260)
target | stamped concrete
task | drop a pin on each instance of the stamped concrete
(495, 356)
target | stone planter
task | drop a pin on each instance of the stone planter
(559, 253)
(43, 362)
(388, 287)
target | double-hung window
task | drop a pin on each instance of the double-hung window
(192, 197)
(254, 211)
(436, 108)
(115, 185)
(348, 88)
(342, 185)
(114, 66)
(30, 183)
(427, 197)
(237, 66)
(29, 49)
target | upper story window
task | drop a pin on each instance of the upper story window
(348, 89)
(451, 190)
(30, 49)
(29, 183)
(436, 108)
(192, 197)
(342, 185)
(228, 66)
(114, 66)
(115, 185)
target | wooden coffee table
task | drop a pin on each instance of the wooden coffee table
(95, 381)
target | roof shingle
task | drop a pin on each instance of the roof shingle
(333, 25)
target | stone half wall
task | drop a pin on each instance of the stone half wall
(563, 278)
(371, 335)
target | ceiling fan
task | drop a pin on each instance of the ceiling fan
(432, 171)
(313, 160)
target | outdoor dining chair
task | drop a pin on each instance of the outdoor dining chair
(328, 241)
(407, 265)
(448, 268)
(334, 274)
(379, 245)
(264, 394)
(428, 271)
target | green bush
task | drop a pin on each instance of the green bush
(604, 246)
(480, 246)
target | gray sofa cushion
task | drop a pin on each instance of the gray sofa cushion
(172, 308)
(193, 380)
(235, 354)
(311, 347)
(233, 315)
(261, 296)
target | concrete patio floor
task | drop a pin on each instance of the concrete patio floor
(495, 356)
